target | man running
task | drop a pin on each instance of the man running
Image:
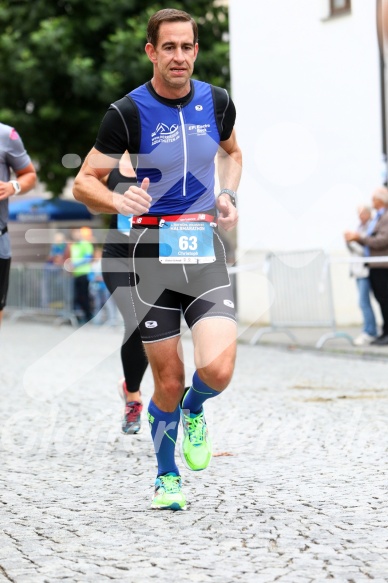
(13, 156)
(175, 126)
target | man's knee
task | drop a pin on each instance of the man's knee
(217, 376)
(169, 387)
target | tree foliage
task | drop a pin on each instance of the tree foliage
(63, 61)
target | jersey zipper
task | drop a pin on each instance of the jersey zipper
(180, 112)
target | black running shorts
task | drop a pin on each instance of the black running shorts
(163, 291)
(5, 265)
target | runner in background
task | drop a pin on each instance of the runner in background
(118, 279)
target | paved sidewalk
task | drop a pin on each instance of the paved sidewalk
(308, 338)
(296, 492)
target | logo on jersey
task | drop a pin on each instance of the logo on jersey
(151, 324)
(199, 107)
(198, 129)
(165, 133)
(229, 303)
(13, 135)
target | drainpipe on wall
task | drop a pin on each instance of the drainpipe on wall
(382, 37)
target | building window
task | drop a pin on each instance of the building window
(340, 7)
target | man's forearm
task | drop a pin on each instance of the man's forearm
(229, 170)
(377, 242)
(26, 181)
(93, 194)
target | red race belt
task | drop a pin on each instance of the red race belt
(155, 221)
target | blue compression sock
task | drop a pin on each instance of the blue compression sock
(197, 394)
(164, 431)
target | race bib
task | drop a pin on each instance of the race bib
(186, 242)
(124, 224)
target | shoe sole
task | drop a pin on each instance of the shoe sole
(132, 432)
(174, 506)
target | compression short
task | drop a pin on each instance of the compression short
(5, 265)
(165, 291)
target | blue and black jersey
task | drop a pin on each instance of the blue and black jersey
(171, 141)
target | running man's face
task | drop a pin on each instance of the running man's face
(173, 58)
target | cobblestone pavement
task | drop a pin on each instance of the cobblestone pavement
(296, 492)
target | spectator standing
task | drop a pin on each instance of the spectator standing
(53, 269)
(81, 256)
(13, 157)
(104, 308)
(58, 250)
(360, 272)
(376, 244)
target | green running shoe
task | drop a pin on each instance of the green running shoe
(196, 446)
(168, 493)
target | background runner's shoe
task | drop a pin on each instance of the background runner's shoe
(196, 446)
(131, 423)
(132, 418)
(168, 493)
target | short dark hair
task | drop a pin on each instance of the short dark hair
(168, 15)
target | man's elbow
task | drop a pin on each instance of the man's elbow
(239, 157)
(34, 178)
(77, 190)
(236, 154)
(32, 181)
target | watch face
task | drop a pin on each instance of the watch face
(231, 194)
(16, 186)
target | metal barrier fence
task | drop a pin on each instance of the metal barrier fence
(41, 289)
(300, 284)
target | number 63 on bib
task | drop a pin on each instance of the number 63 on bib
(186, 242)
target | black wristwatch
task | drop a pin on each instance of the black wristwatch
(232, 194)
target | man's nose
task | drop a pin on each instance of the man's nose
(179, 55)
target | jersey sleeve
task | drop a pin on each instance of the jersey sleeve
(16, 155)
(225, 112)
(112, 137)
(120, 128)
(229, 121)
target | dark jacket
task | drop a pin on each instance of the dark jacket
(378, 240)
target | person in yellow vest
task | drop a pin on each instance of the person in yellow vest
(81, 257)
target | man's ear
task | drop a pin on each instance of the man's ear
(151, 53)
